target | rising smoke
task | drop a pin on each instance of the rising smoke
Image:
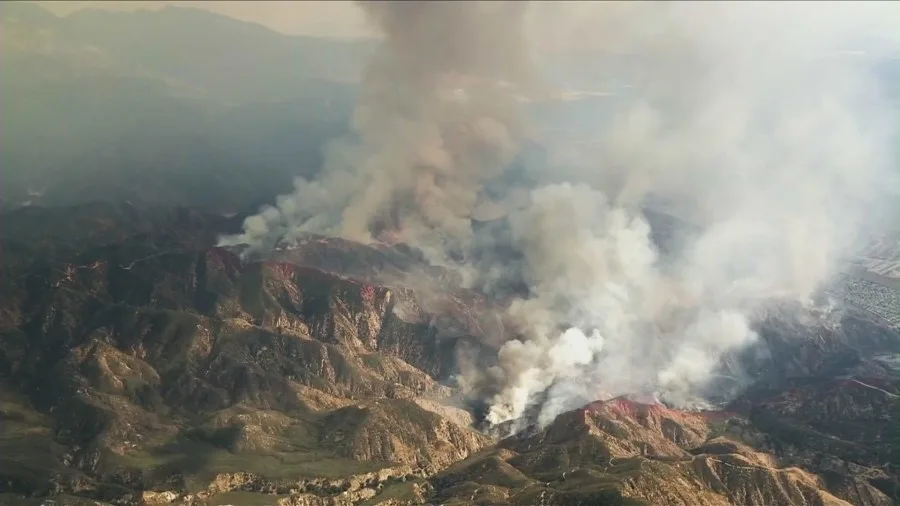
(436, 119)
(744, 118)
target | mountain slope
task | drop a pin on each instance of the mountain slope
(203, 52)
(185, 364)
(138, 364)
(117, 106)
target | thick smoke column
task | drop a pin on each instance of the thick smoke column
(744, 118)
(436, 119)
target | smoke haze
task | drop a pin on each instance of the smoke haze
(746, 119)
(436, 119)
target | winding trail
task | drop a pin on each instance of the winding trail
(143, 259)
(885, 392)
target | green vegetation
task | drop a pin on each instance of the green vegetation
(895, 443)
(28, 454)
(789, 432)
(242, 499)
(401, 492)
(7, 499)
(200, 461)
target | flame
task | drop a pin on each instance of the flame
(391, 237)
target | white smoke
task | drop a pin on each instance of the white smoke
(749, 119)
(437, 117)
(751, 126)
(636, 328)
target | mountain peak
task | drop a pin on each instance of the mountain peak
(138, 360)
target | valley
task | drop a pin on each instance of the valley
(240, 267)
(190, 377)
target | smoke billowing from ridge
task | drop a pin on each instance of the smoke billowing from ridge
(740, 118)
(436, 119)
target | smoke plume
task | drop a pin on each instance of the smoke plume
(755, 128)
(751, 122)
(436, 119)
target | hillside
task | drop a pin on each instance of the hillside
(143, 364)
(140, 364)
(175, 102)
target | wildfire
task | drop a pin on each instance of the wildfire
(390, 237)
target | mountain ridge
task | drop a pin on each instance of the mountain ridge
(94, 108)
(154, 367)
(140, 363)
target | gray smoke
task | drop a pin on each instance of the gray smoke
(747, 119)
(436, 119)
(749, 122)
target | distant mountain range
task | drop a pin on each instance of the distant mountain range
(140, 364)
(204, 53)
(180, 103)
(185, 106)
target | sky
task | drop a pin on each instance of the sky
(560, 25)
(328, 18)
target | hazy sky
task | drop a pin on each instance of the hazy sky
(337, 18)
(560, 24)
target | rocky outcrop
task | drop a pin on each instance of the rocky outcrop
(185, 361)
(631, 453)
(153, 369)
(399, 431)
